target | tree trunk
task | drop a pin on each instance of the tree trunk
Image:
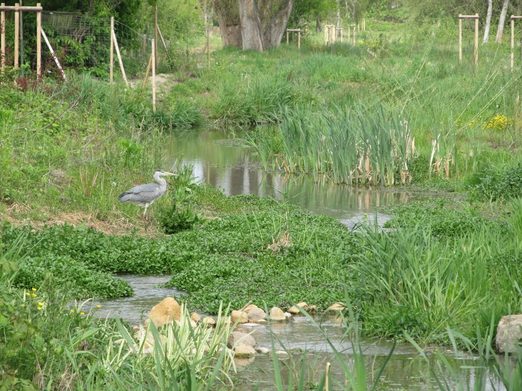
(263, 22)
(338, 17)
(502, 21)
(250, 25)
(318, 27)
(229, 22)
(488, 20)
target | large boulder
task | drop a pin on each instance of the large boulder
(166, 311)
(509, 334)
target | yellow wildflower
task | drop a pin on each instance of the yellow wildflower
(40, 305)
(498, 122)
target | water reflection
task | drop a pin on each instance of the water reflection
(224, 164)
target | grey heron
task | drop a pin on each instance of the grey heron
(145, 195)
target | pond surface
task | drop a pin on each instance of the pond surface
(223, 163)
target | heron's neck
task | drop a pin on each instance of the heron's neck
(160, 180)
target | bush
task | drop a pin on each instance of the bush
(497, 184)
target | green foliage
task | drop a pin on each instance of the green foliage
(497, 184)
(79, 280)
(179, 213)
(439, 218)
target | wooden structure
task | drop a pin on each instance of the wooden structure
(114, 46)
(339, 33)
(295, 31)
(475, 18)
(329, 34)
(513, 18)
(18, 10)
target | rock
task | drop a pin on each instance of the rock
(243, 362)
(238, 338)
(195, 317)
(312, 309)
(262, 350)
(244, 351)
(509, 334)
(277, 314)
(249, 308)
(282, 354)
(239, 317)
(296, 309)
(166, 311)
(336, 307)
(256, 315)
(209, 321)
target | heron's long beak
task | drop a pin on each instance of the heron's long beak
(168, 173)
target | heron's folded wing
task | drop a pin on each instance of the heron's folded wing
(141, 193)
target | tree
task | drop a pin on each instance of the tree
(253, 24)
(227, 12)
(502, 21)
(488, 20)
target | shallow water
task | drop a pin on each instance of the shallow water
(226, 165)
(311, 340)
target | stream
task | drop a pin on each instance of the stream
(224, 164)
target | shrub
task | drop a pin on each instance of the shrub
(494, 184)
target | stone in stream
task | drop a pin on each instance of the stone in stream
(509, 334)
(262, 350)
(239, 317)
(209, 321)
(256, 315)
(166, 311)
(336, 307)
(277, 314)
(296, 309)
(238, 338)
(195, 317)
(244, 351)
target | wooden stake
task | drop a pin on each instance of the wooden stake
(111, 53)
(299, 39)
(153, 79)
(118, 54)
(39, 44)
(460, 41)
(156, 32)
(287, 37)
(512, 43)
(16, 36)
(147, 71)
(476, 43)
(53, 54)
(2, 39)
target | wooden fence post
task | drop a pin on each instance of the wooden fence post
(512, 43)
(476, 42)
(460, 40)
(153, 78)
(2, 39)
(111, 54)
(299, 39)
(156, 33)
(16, 36)
(38, 43)
(120, 61)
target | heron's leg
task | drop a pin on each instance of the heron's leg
(145, 210)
